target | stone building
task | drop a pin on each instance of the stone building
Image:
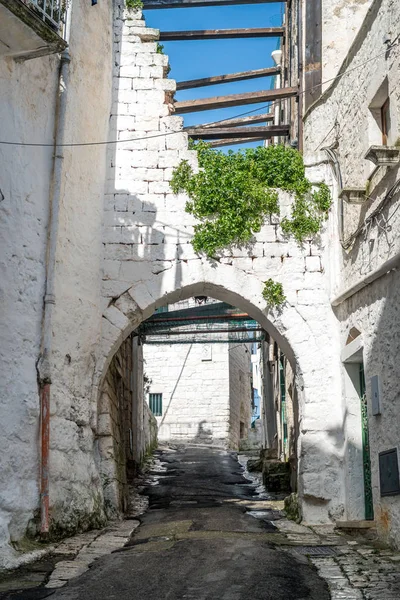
(93, 242)
(348, 126)
(200, 393)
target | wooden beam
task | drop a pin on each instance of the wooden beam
(265, 117)
(220, 34)
(156, 4)
(187, 106)
(218, 143)
(214, 133)
(196, 83)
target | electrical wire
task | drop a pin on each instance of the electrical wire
(373, 216)
(149, 137)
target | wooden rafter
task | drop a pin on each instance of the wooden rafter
(241, 76)
(220, 34)
(265, 117)
(240, 140)
(200, 104)
(214, 133)
(156, 4)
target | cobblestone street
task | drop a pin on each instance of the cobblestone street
(206, 525)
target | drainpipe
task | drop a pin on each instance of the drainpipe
(44, 363)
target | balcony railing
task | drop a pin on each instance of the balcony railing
(51, 11)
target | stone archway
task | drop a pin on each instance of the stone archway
(301, 329)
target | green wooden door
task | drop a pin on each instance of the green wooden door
(369, 506)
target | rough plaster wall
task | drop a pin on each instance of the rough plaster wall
(341, 21)
(195, 391)
(27, 98)
(27, 114)
(373, 310)
(114, 424)
(149, 262)
(347, 100)
(77, 502)
(127, 430)
(239, 392)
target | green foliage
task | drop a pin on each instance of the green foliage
(134, 4)
(273, 293)
(308, 214)
(233, 194)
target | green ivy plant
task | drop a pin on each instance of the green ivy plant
(233, 194)
(134, 4)
(273, 293)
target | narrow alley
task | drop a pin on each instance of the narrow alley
(199, 314)
(210, 533)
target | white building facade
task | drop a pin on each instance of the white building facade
(93, 242)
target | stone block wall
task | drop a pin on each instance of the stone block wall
(240, 391)
(194, 382)
(206, 391)
(347, 118)
(127, 431)
(149, 261)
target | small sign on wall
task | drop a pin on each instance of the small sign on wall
(375, 395)
(389, 473)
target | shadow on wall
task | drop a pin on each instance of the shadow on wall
(161, 423)
(376, 313)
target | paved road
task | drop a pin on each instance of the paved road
(198, 541)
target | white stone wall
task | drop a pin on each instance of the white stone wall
(26, 114)
(239, 393)
(194, 382)
(343, 118)
(27, 105)
(206, 391)
(341, 20)
(149, 262)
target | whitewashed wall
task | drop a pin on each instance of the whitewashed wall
(27, 104)
(206, 391)
(240, 393)
(26, 114)
(342, 118)
(195, 389)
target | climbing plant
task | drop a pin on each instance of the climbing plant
(233, 194)
(273, 293)
(134, 4)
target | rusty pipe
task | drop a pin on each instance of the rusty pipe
(45, 456)
(44, 362)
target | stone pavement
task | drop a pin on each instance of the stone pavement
(208, 535)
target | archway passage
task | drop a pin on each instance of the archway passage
(201, 372)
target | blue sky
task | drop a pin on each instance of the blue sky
(194, 59)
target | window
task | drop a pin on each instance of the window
(385, 121)
(155, 403)
(379, 126)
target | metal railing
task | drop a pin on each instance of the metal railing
(51, 11)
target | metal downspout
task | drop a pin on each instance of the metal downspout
(44, 363)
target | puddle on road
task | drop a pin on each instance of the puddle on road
(255, 479)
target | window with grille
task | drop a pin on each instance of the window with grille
(155, 403)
